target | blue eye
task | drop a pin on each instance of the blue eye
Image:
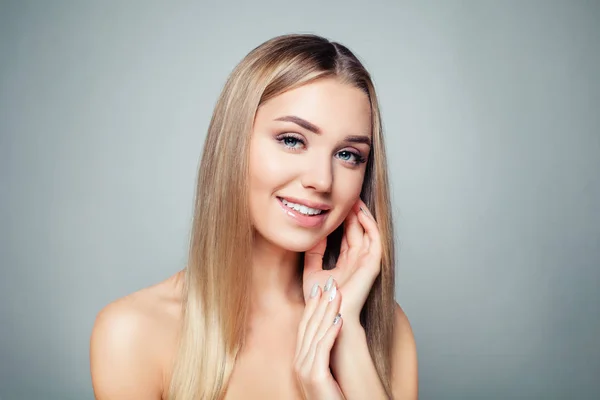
(291, 142)
(346, 155)
(351, 157)
(294, 142)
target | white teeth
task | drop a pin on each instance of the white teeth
(301, 209)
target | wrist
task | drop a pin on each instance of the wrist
(352, 365)
(351, 338)
(352, 330)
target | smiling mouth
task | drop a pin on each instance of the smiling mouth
(302, 209)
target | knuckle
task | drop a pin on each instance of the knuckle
(301, 373)
(305, 376)
(301, 327)
(317, 377)
(320, 346)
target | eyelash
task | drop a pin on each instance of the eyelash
(358, 158)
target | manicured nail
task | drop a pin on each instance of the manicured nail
(329, 283)
(314, 290)
(337, 319)
(332, 293)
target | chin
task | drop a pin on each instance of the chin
(296, 242)
(281, 231)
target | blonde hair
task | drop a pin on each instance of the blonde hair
(216, 288)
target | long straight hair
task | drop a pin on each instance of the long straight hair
(217, 279)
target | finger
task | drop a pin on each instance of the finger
(353, 231)
(333, 308)
(313, 258)
(344, 246)
(323, 349)
(366, 243)
(316, 319)
(372, 231)
(334, 298)
(362, 206)
(309, 309)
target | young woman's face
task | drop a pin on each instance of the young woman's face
(308, 155)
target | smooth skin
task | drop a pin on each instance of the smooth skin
(317, 333)
(291, 341)
(356, 270)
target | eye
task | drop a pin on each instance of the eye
(291, 141)
(351, 157)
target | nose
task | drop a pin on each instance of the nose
(318, 174)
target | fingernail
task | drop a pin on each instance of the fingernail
(329, 283)
(314, 290)
(363, 210)
(333, 293)
(337, 319)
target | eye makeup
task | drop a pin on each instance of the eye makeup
(296, 142)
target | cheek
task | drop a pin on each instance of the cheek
(267, 170)
(346, 192)
(348, 184)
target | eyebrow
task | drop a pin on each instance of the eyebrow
(358, 139)
(301, 122)
(309, 126)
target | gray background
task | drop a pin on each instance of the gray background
(491, 110)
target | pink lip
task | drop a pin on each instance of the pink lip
(307, 221)
(307, 203)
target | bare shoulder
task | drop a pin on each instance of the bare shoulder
(404, 364)
(133, 342)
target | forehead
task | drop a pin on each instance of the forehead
(335, 107)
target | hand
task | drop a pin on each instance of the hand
(317, 332)
(358, 265)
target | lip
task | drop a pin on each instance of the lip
(306, 221)
(307, 203)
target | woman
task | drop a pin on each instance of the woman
(289, 288)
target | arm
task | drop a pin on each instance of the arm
(122, 366)
(355, 371)
(352, 365)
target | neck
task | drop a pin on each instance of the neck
(276, 279)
